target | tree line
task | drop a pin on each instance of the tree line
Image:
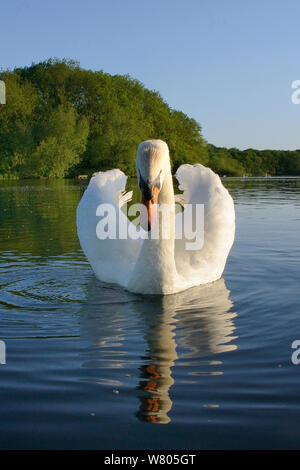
(60, 120)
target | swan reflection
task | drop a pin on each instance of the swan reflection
(150, 335)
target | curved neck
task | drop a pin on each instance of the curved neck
(166, 207)
(166, 195)
(155, 270)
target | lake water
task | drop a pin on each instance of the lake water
(89, 365)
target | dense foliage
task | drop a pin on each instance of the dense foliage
(250, 162)
(60, 120)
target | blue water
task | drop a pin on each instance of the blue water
(91, 366)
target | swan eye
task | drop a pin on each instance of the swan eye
(147, 187)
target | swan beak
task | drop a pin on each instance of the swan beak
(151, 206)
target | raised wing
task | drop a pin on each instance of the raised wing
(113, 258)
(202, 186)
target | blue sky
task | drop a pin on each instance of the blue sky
(228, 64)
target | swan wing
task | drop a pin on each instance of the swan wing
(112, 258)
(203, 262)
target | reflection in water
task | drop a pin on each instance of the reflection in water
(178, 329)
(156, 373)
(72, 341)
(39, 217)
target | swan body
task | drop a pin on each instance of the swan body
(157, 265)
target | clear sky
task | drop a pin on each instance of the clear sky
(229, 64)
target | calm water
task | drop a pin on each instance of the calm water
(89, 365)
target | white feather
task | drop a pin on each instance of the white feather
(158, 266)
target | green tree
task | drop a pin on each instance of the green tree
(64, 139)
(16, 123)
(60, 120)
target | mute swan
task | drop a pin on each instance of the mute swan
(161, 265)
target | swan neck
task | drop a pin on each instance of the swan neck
(155, 270)
(166, 195)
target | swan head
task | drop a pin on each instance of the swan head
(152, 165)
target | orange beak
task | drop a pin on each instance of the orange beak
(152, 208)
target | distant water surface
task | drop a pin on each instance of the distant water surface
(89, 365)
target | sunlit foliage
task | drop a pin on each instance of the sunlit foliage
(61, 120)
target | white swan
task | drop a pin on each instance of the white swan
(161, 265)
